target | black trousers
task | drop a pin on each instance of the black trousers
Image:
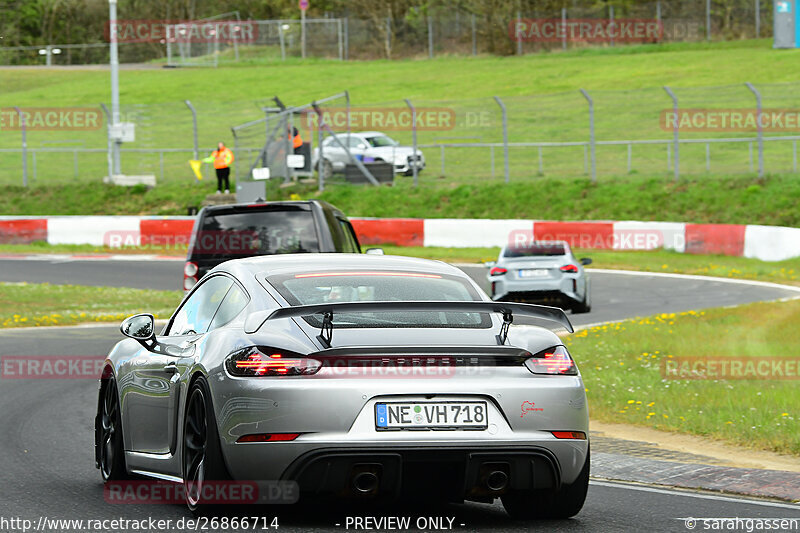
(222, 177)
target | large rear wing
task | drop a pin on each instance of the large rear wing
(327, 310)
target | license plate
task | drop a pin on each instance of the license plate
(533, 273)
(430, 415)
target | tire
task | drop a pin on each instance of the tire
(201, 456)
(108, 435)
(538, 504)
(582, 307)
(586, 305)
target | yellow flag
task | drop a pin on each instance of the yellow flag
(196, 164)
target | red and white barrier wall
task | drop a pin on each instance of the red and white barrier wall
(769, 243)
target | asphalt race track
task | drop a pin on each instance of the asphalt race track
(46, 425)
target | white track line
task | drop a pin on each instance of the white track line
(689, 494)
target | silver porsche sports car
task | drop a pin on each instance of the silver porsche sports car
(541, 272)
(354, 376)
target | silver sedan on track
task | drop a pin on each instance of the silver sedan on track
(356, 376)
(541, 271)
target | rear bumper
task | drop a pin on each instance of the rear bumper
(564, 289)
(453, 474)
(444, 471)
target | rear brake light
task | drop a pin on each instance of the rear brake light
(497, 271)
(268, 437)
(259, 362)
(580, 435)
(572, 269)
(553, 361)
(190, 269)
(188, 283)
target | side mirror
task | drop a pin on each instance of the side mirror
(140, 328)
(586, 261)
(374, 251)
(490, 264)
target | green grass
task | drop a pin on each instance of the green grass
(43, 304)
(734, 200)
(680, 64)
(621, 366)
(540, 92)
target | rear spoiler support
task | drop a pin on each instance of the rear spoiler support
(508, 318)
(506, 309)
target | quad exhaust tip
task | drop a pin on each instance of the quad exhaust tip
(497, 480)
(365, 482)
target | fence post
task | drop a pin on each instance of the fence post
(23, 126)
(347, 38)
(676, 167)
(320, 138)
(194, 127)
(430, 37)
(760, 129)
(564, 28)
(708, 20)
(592, 140)
(282, 40)
(347, 109)
(758, 18)
(388, 37)
(303, 33)
(611, 22)
(414, 138)
(505, 135)
(341, 42)
(474, 36)
(108, 139)
(658, 14)
(516, 34)
(236, 154)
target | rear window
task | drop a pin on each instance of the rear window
(244, 234)
(382, 286)
(536, 249)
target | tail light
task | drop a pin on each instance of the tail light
(553, 361)
(259, 362)
(189, 275)
(497, 271)
(268, 437)
(579, 435)
(572, 269)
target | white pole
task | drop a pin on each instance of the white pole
(114, 60)
(303, 33)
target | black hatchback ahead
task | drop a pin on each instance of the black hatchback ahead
(235, 231)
